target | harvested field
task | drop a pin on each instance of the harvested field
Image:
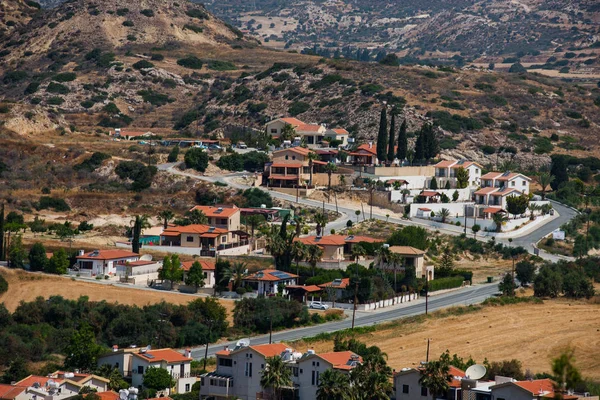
(25, 286)
(532, 333)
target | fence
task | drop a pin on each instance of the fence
(371, 306)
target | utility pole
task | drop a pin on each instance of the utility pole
(427, 356)
(426, 295)
(355, 300)
(298, 190)
(465, 219)
(210, 322)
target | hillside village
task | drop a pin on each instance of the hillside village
(187, 213)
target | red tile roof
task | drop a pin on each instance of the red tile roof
(369, 149)
(284, 177)
(267, 275)
(299, 150)
(31, 379)
(140, 263)
(492, 210)
(309, 288)
(340, 131)
(207, 265)
(339, 359)
(336, 240)
(343, 284)
(197, 229)
(486, 190)
(9, 392)
(108, 395)
(167, 355)
(406, 250)
(218, 211)
(537, 387)
(505, 192)
(309, 128)
(108, 255)
(429, 193)
(445, 164)
(292, 121)
(269, 350)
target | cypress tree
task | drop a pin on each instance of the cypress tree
(382, 137)
(433, 185)
(402, 142)
(390, 155)
(2, 233)
(431, 145)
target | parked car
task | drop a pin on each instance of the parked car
(214, 147)
(242, 145)
(317, 305)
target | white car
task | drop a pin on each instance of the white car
(242, 145)
(318, 305)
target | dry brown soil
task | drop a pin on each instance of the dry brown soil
(534, 334)
(24, 286)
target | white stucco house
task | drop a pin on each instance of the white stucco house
(445, 171)
(104, 262)
(267, 281)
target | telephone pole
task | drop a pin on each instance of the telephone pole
(355, 300)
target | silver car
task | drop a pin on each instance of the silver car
(317, 305)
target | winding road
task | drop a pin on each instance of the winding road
(465, 296)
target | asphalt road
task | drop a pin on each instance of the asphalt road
(471, 295)
(527, 241)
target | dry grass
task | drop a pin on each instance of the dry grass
(532, 333)
(24, 286)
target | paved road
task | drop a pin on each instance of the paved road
(471, 295)
(527, 241)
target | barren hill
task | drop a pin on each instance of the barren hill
(14, 14)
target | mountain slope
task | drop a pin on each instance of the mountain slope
(14, 14)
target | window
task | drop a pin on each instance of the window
(225, 362)
(187, 387)
(273, 130)
(476, 170)
(189, 238)
(523, 183)
(223, 239)
(312, 378)
(223, 221)
(248, 369)
(405, 389)
(287, 157)
(293, 157)
(513, 183)
(140, 369)
(424, 391)
(117, 365)
(205, 275)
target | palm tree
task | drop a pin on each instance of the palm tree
(342, 180)
(166, 216)
(140, 222)
(444, 213)
(314, 254)
(299, 253)
(544, 179)
(321, 221)
(436, 377)
(276, 376)
(334, 385)
(311, 157)
(371, 380)
(357, 251)
(330, 169)
(532, 209)
(405, 192)
(236, 273)
(499, 219)
(254, 221)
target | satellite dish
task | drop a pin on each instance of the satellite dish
(243, 343)
(476, 371)
(146, 257)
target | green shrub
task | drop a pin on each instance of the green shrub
(128, 23)
(445, 283)
(87, 104)
(573, 114)
(487, 149)
(57, 88)
(55, 203)
(191, 62)
(14, 77)
(3, 285)
(197, 13)
(221, 65)
(147, 12)
(65, 77)
(155, 98)
(157, 57)
(197, 159)
(55, 101)
(298, 107)
(193, 28)
(122, 12)
(143, 64)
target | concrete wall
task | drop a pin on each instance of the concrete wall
(322, 179)
(402, 171)
(419, 182)
(235, 251)
(455, 208)
(371, 306)
(463, 194)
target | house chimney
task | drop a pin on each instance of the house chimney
(188, 353)
(81, 252)
(226, 348)
(370, 145)
(115, 348)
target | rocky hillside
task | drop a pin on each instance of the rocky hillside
(14, 14)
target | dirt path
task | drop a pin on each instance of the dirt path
(533, 334)
(24, 286)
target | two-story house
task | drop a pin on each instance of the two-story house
(336, 247)
(290, 167)
(506, 179)
(222, 216)
(200, 236)
(58, 385)
(365, 154)
(104, 262)
(239, 370)
(407, 386)
(445, 171)
(311, 134)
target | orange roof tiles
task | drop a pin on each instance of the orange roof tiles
(269, 350)
(167, 355)
(198, 229)
(343, 284)
(309, 288)
(505, 192)
(335, 240)
(219, 211)
(267, 275)
(445, 164)
(429, 193)
(486, 190)
(537, 387)
(368, 148)
(284, 177)
(31, 379)
(340, 131)
(406, 250)
(339, 359)
(108, 395)
(309, 128)
(492, 210)
(108, 255)
(466, 164)
(9, 392)
(292, 121)
(299, 150)
(207, 265)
